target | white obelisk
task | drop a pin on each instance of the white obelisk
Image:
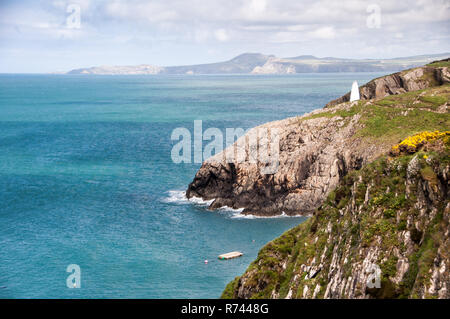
(354, 95)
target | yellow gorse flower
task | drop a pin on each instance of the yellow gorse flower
(412, 142)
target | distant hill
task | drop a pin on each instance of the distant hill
(256, 63)
(117, 70)
(244, 63)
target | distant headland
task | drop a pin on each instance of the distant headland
(256, 63)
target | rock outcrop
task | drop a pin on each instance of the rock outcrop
(400, 82)
(314, 155)
(382, 233)
(318, 149)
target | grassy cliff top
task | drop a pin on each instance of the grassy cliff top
(440, 64)
(394, 117)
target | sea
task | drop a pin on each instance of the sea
(90, 195)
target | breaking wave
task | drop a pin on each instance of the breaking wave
(179, 198)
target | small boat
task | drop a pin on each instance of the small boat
(233, 254)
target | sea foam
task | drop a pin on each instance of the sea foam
(179, 197)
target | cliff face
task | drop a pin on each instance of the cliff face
(314, 154)
(388, 222)
(318, 149)
(275, 66)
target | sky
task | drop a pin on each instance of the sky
(38, 36)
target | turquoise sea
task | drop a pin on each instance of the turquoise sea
(86, 178)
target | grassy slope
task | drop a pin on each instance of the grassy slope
(397, 116)
(440, 64)
(299, 245)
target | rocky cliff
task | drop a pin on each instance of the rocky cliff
(401, 82)
(382, 233)
(275, 66)
(318, 149)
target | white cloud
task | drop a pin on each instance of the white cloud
(195, 27)
(200, 35)
(221, 35)
(323, 33)
(254, 9)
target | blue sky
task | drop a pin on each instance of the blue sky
(40, 36)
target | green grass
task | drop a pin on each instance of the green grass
(390, 125)
(352, 111)
(228, 293)
(434, 100)
(428, 98)
(396, 116)
(377, 222)
(429, 175)
(440, 64)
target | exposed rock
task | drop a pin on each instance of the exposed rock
(368, 242)
(275, 66)
(315, 152)
(314, 155)
(384, 231)
(400, 82)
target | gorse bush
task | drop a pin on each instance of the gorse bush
(412, 143)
